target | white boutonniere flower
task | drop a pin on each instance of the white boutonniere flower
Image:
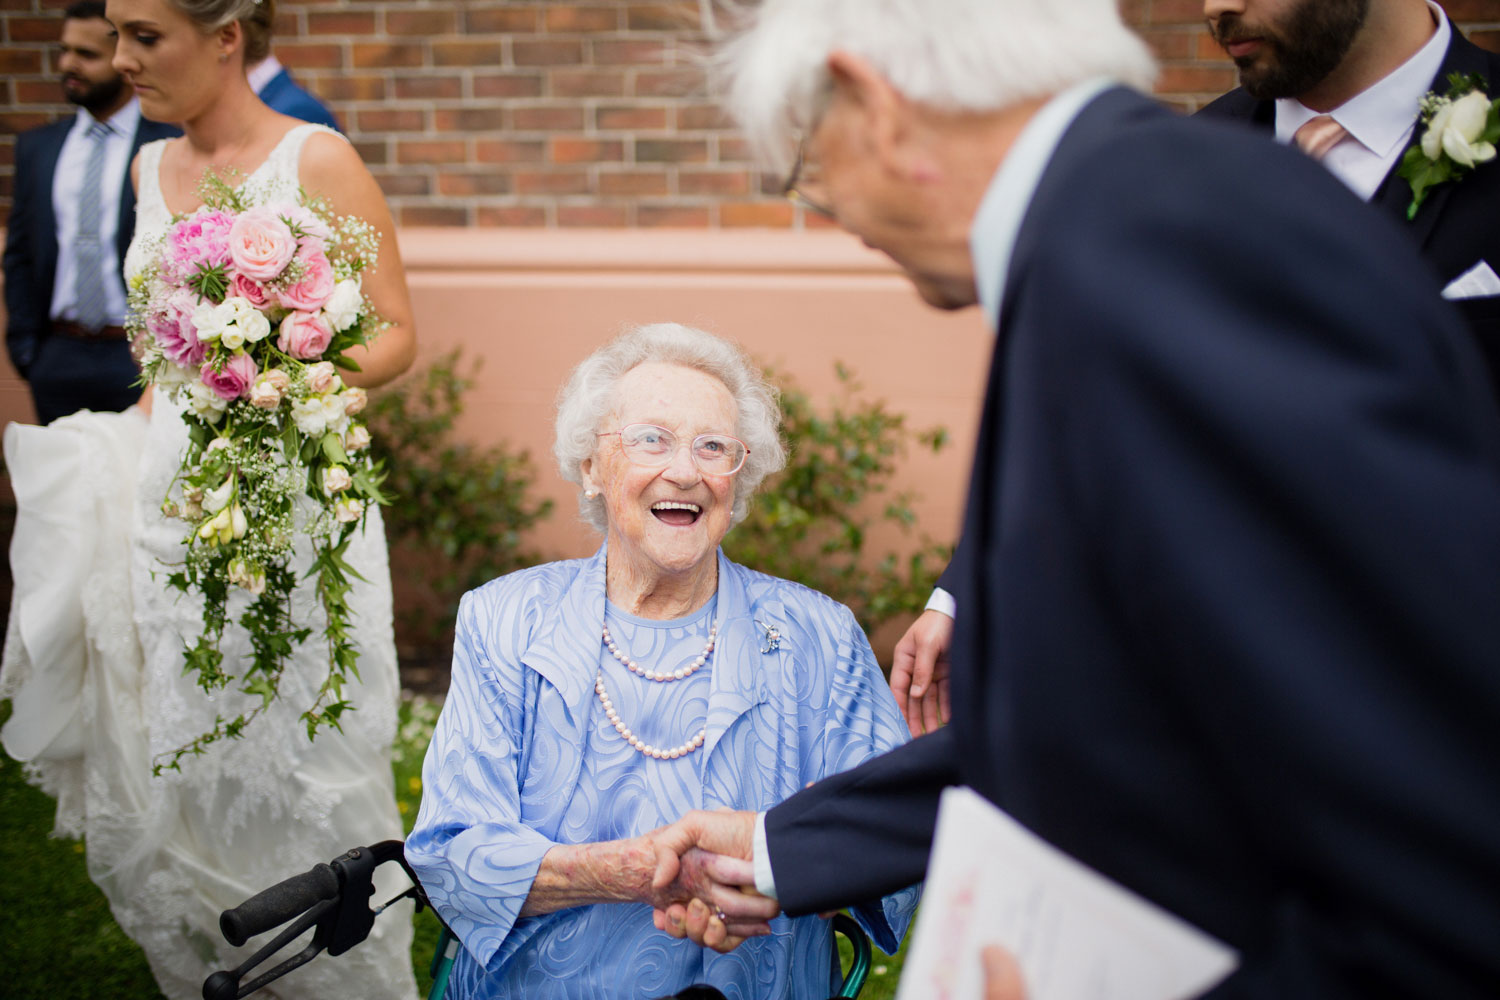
(1461, 129)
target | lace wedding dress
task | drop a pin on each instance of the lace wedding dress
(93, 663)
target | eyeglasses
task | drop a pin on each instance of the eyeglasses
(805, 175)
(652, 447)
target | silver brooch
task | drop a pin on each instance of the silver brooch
(771, 641)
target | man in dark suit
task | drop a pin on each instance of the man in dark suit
(1366, 64)
(72, 215)
(1228, 574)
(274, 85)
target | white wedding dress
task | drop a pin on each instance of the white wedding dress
(94, 665)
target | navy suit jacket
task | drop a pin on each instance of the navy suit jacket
(1459, 223)
(1229, 572)
(31, 233)
(283, 94)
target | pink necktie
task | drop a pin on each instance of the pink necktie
(1318, 136)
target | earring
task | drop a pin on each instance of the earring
(590, 494)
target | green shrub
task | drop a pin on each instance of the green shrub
(810, 522)
(459, 513)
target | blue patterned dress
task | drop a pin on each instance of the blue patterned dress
(523, 759)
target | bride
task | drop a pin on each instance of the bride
(94, 652)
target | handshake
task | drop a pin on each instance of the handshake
(704, 886)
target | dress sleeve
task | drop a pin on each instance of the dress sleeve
(863, 722)
(475, 856)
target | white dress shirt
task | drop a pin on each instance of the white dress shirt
(1379, 120)
(992, 240)
(263, 73)
(67, 188)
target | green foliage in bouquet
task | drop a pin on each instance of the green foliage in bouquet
(810, 522)
(463, 510)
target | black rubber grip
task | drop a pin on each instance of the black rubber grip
(278, 904)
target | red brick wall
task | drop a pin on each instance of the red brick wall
(551, 113)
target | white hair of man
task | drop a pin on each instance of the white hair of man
(952, 55)
(589, 396)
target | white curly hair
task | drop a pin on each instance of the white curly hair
(589, 395)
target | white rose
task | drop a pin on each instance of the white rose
(1456, 129)
(307, 414)
(232, 337)
(255, 327)
(357, 439)
(170, 375)
(355, 399)
(209, 320)
(333, 412)
(206, 403)
(343, 306)
(349, 509)
(336, 479)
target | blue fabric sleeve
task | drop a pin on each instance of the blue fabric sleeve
(474, 856)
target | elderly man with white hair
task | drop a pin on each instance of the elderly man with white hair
(1228, 575)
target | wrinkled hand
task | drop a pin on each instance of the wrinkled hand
(920, 670)
(1002, 976)
(703, 871)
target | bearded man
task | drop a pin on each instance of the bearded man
(71, 218)
(1344, 80)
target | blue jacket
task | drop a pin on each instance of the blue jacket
(504, 779)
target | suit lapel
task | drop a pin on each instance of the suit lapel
(51, 151)
(1394, 194)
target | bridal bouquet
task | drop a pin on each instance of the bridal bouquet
(244, 314)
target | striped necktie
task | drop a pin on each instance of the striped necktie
(1319, 135)
(88, 250)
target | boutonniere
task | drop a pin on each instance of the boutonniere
(1462, 127)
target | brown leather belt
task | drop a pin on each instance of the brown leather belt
(74, 331)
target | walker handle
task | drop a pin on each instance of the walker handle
(278, 904)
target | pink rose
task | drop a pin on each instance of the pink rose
(315, 287)
(230, 383)
(304, 335)
(260, 244)
(321, 377)
(201, 240)
(277, 378)
(250, 290)
(171, 324)
(355, 400)
(314, 231)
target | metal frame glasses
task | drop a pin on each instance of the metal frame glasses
(790, 190)
(710, 452)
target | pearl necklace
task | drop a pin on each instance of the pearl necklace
(635, 741)
(659, 753)
(651, 675)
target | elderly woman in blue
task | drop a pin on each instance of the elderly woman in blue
(596, 700)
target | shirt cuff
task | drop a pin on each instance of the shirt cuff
(942, 601)
(760, 856)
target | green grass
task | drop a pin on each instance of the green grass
(58, 940)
